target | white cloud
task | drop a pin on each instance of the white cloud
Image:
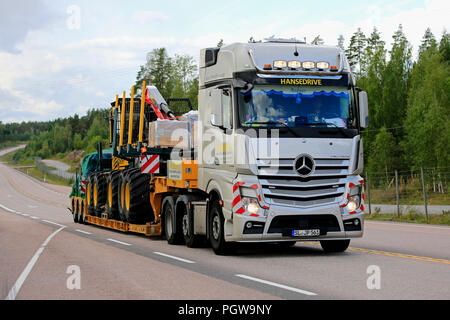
(145, 17)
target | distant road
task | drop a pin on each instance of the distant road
(9, 150)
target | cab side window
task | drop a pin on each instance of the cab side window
(227, 110)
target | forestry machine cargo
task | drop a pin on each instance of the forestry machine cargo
(273, 154)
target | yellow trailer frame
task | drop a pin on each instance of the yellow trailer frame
(160, 187)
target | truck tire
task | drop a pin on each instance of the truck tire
(99, 193)
(216, 231)
(82, 216)
(112, 196)
(121, 194)
(172, 232)
(137, 208)
(334, 245)
(187, 223)
(89, 194)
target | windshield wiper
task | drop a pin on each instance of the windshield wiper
(326, 123)
(274, 122)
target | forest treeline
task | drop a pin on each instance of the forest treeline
(408, 102)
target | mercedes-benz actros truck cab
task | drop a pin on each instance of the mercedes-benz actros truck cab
(281, 154)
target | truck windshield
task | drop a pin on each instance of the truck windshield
(294, 106)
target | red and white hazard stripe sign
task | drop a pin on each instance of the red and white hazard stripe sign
(83, 186)
(149, 163)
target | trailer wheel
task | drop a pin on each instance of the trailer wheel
(112, 199)
(137, 206)
(75, 211)
(334, 245)
(216, 231)
(89, 194)
(171, 225)
(121, 194)
(99, 193)
(82, 217)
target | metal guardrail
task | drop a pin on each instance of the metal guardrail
(55, 173)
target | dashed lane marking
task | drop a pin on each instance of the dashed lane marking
(278, 285)
(173, 257)
(120, 242)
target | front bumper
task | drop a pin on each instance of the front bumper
(333, 221)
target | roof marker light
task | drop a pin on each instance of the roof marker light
(322, 65)
(294, 64)
(308, 65)
(280, 64)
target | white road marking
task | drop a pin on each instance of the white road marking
(25, 214)
(7, 209)
(32, 207)
(33, 217)
(82, 231)
(117, 241)
(282, 286)
(23, 276)
(56, 224)
(173, 257)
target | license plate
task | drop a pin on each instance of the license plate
(306, 233)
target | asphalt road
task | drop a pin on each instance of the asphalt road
(45, 255)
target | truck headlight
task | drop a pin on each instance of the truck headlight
(354, 199)
(251, 205)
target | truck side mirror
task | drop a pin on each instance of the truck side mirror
(216, 108)
(363, 109)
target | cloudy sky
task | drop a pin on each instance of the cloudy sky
(58, 58)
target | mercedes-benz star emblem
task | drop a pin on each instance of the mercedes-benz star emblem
(304, 165)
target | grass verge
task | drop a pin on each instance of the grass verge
(442, 219)
(35, 172)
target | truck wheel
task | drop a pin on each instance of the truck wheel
(112, 198)
(173, 236)
(334, 245)
(187, 225)
(99, 193)
(216, 231)
(89, 194)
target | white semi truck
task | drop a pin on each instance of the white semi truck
(278, 156)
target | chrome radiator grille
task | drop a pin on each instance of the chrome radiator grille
(282, 185)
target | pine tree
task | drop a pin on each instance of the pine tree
(355, 51)
(428, 41)
(341, 42)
